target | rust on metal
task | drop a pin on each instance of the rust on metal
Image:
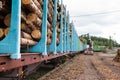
(26, 59)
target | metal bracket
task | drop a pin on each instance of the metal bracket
(52, 46)
(11, 43)
(41, 46)
(60, 46)
(68, 31)
(65, 36)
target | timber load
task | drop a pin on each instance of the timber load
(31, 21)
(117, 57)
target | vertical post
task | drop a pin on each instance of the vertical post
(65, 30)
(11, 43)
(68, 31)
(72, 38)
(60, 46)
(44, 26)
(52, 47)
(15, 22)
(41, 46)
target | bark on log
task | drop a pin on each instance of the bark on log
(58, 30)
(50, 8)
(25, 28)
(48, 25)
(57, 41)
(25, 35)
(49, 32)
(23, 17)
(41, 2)
(32, 7)
(27, 42)
(38, 4)
(32, 18)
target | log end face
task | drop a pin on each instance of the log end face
(26, 1)
(6, 31)
(36, 34)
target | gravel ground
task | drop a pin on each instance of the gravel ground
(86, 67)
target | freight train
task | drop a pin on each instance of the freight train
(34, 31)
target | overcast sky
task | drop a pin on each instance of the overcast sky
(103, 25)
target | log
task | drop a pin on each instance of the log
(32, 18)
(52, 3)
(50, 13)
(27, 42)
(26, 28)
(36, 34)
(117, 57)
(29, 4)
(49, 41)
(7, 20)
(6, 31)
(38, 4)
(58, 35)
(57, 41)
(23, 17)
(48, 24)
(50, 8)
(49, 32)
(26, 35)
(1, 33)
(58, 16)
(41, 2)
(23, 25)
(58, 24)
(58, 30)
(6, 6)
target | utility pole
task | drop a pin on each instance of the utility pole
(110, 43)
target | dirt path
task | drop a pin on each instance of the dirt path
(86, 67)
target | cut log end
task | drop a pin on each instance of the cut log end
(23, 26)
(36, 34)
(49, 41)
(31, 17)
(1, 33)
(6, 31)
(26, 1)
(7, 20)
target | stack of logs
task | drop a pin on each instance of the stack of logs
(70, 29)
(117, 57)
(5, 18)
(31, 21)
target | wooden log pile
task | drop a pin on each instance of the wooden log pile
(31, 21)
(117, 57)
(4, 18)
(70, 30)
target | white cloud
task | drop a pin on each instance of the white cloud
(103, 25)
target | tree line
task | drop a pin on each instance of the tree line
(100, 41)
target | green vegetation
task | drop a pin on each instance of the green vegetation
(100, 41)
